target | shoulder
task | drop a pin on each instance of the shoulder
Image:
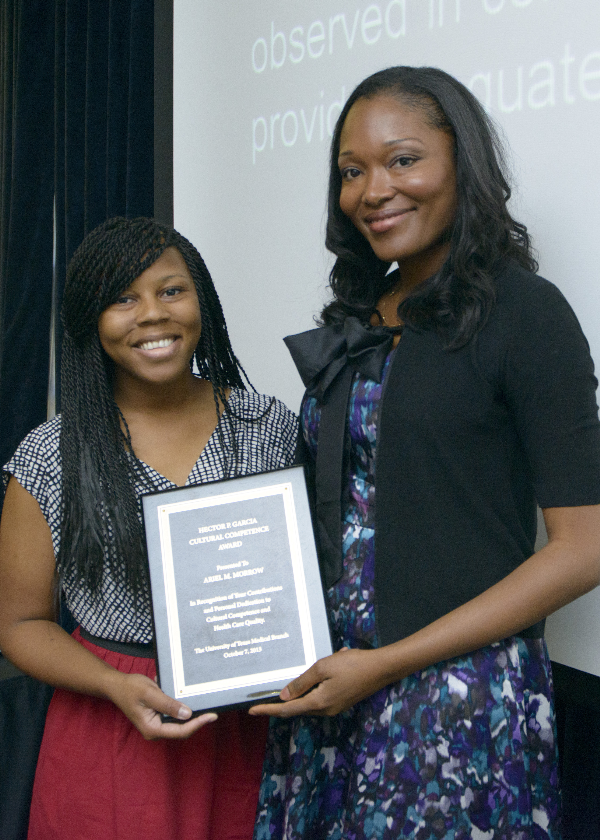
(252, 406)
(535, 343)
(266, 425)
(532, 349)
(522, 294)
(530, 313)
(36, 463)
(42, 444)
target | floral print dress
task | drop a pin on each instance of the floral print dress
(463, 749)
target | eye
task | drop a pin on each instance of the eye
(172, 291)
(403, 160)
(349, 173)
(124, 299)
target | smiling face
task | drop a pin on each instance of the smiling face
(399, 184)
(152, 330)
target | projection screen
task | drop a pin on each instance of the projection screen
(258, 85)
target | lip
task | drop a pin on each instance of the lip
(383, 220)
(160, 351)
(160, 341)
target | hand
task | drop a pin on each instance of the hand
(334, 684)
(142, 701)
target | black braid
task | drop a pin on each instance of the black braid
(100, 519)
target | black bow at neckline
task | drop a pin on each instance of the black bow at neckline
(320, 354)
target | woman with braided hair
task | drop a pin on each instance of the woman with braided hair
(139, 311)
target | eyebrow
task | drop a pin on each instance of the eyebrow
(164, 279)
(387, 143)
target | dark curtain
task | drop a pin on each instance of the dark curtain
(26, 211)
(577, 696)
(27, 189)
(76, 147)
(23, 704)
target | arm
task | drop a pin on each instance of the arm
(567, 567)
(30, 637)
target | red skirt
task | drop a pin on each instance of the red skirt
(98, 779)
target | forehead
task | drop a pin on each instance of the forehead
(170, 264)
(385, 119)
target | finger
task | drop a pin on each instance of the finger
(291, 708)
(165, 705)
(161, 704)
(309, 679)
(180, 731)
(262, 709)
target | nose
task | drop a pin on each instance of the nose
(378, 186)
(151, 310)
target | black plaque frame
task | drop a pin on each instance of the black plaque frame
(236, 591)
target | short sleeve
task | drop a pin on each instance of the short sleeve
(550, 387)
(36, 466)
(282, 434)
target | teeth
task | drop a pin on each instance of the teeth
(152, 345)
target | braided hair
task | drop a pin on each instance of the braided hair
(457, 299)
(100, 512)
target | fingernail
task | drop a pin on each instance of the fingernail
(284, 694)
(184, 713)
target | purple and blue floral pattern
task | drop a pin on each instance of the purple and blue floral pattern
(462, 749)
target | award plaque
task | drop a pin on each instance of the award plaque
(236, 591)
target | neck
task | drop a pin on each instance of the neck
(415, 271)
(132, 395)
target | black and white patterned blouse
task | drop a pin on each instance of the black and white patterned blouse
(265, 436)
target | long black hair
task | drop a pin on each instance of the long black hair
(457, 299)
(100, 515)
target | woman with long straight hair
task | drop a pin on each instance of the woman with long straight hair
(152, 397)
(449, 389)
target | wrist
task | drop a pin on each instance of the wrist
(113, 683)
(391, 665)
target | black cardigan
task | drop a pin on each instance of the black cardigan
(468, 441)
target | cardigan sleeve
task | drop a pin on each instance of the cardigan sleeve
(550, 387)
